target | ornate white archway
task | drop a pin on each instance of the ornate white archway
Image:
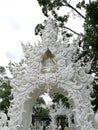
(50, 66)
(61, 110)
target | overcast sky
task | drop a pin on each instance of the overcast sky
(18, 19)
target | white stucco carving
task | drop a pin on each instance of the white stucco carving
(60, 110)
(54, 70)
(3, 121)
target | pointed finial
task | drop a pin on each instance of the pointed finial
(50, 32)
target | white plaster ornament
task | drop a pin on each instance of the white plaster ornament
(50, 66)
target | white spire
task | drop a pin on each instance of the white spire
(49, 34)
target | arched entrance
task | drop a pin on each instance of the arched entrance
(50, 66)
(25, 113)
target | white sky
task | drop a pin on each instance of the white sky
(18, 19)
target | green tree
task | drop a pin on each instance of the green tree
(57, 98)
(89, 40)
(40, 108)
(54, 6)
(5, 90)
(90, 47)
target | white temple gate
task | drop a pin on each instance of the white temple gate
(49, 66)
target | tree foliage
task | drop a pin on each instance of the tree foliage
(52, 7)
(57, 98)
(40, 108)
(91, 43)
(91, 28)
(5, 90)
